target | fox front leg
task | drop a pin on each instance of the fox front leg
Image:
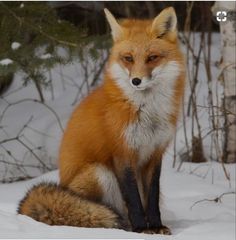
(131, 196)
(152, 188)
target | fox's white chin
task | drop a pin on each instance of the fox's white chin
(141, 87)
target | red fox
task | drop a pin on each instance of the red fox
(111, 152)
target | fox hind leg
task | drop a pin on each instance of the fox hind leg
(86, 185)
(98, 183)
(111, 194)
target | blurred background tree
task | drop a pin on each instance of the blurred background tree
(228, 77)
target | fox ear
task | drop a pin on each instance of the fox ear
(165, 24)
(116, 29)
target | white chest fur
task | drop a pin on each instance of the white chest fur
(152, 128)
(154, 105)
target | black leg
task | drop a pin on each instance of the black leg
(129, 189)
(153, 210)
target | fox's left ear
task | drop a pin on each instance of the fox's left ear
(165, 25)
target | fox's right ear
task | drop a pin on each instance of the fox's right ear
(116, 29)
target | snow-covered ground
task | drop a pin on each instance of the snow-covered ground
(185, 193)
(206, 220)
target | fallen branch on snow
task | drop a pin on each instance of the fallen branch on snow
(216, 200)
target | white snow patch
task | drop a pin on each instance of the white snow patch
(46, 56)
(6, 61)
(15, 45)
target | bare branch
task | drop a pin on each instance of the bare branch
(32, 100)
(216, 200)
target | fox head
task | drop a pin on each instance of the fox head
(145, 52)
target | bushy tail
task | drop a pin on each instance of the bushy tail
(56, 205)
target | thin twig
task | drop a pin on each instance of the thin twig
(216, 200)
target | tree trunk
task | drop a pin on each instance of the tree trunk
(228, 46)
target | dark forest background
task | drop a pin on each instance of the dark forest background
(91, 16)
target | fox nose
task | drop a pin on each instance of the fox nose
(136, 81)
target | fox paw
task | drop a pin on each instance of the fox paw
(160, 230)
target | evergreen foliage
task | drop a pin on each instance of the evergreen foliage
(31, 38)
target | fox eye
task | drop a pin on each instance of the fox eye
(128, 59)
(152, 58)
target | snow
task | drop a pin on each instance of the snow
(185, 193)
(6, 61)
(15, 45)
(207, 220)
(46, 56)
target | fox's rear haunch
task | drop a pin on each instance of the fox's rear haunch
(56, 205)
